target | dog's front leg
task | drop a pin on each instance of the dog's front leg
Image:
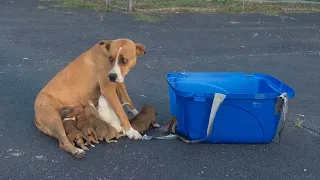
(109, 92)
(123, 94)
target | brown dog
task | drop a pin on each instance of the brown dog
(104, 130)
(146, 117)
(69, 123)
(99, 70)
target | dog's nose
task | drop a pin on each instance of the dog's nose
(112, 77)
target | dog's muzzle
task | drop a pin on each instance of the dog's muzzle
(112, 77)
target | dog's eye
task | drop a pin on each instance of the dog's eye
(123, 60)
(111, 60)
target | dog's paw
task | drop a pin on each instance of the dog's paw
(156, 125)
(95, 141)
(79, 153)
(85, 148)
(110, 141)
(133, 134)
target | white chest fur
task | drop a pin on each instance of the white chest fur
(108, 115)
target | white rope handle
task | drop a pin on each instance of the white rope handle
(285, 105)
(217, 101)
(284, 112)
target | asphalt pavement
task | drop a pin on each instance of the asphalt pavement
(35, 44)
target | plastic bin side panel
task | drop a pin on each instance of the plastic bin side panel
(193, 117)
(180, 116)
(237, 121)
(235, 124)
(264, 111)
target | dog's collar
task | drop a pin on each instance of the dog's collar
(68, 119)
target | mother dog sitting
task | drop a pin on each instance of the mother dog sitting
(99, 70)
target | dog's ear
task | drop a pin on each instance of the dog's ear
(141, 49)
(105, 43)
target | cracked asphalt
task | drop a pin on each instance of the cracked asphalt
(35, 44)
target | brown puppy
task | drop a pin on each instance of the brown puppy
(146, 117)
(104, 130)
(171, 125)
(69, 123)
(99, 70)
(87, 129)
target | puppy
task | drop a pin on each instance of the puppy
(87, 129)
(69, 123)
(104, 130)
(108, 115)
(171, 125)
(146, 117)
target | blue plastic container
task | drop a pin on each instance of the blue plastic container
(247, 114)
